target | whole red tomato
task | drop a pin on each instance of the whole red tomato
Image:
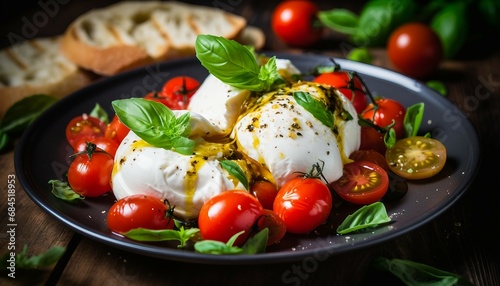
(139, 211)
(105, 144)
(295, 23)
(90, 173)
(348, 84)
(386, 112)
(415, 50)
(228, 213)
(303, 204)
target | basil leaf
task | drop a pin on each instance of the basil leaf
(413, 119)
(367, 216)
(5, 140)
(390, 138)
(99, 112)
(414, 273)
(360, 55)
(156, 124)
(234, 64)
(340, 20)
(25, 261)
(319, 110)
(25, 111)
(63, 191)
(218, 247)
(256, 243)
(438, 86)
(235, 170)
(182, 235)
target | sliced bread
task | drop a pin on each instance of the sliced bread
(133, 33)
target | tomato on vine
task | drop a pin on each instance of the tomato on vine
(139, 211)
(228, 213)
(105, 144)
(90, 172)
(304, 203)
(349, 84)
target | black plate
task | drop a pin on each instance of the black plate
(42, 155)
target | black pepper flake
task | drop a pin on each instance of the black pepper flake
(299, 134)
(250, 128)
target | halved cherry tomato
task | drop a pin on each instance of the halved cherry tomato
(416, 157)
(90, 173)
(362, 183)
(370, 156)
(139, 211)
(386, 112)
(275, 225)
(228, 213)
(84, 127)
(295, 23)
(349, 84)
(265, 192)
(116, 130)
(303, 204)
(103, 143)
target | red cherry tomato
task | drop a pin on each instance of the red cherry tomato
(90, 175)
(116, 130)
(138, 211)
(295, 23)
(228, 213)
(415, 50)
(303, 204)
(103, 143)
(162, 98)
(362, 183)
(348, 84)
(180, 89)
(384, 112)
(265, 193)
(84, 127)
(275, 225)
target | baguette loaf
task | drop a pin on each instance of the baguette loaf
(37, 67)
(133, 33)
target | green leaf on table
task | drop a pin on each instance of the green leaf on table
(25, 111)
(418, 274)
(63, 191)
(438, 86)
(235, 64)
(360, 55)
(235, 170)
(368, 216)
(156, 124)
(26, 261)
(340, 20)
(318, 109)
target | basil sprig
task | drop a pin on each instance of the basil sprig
(235, 64)
(319, 110)
(156, 124)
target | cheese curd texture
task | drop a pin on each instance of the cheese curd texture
(276, 135)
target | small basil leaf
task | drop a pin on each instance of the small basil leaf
(413, 119)
(5, 141)
(218, 247)
(414, 273)
(156, 124)
(63, 191)
(340, 20)
(360, 55)
(25, 111)
(367, 216)
(99, 112)
(319, 110)
(390, 138)
(438, 86)
(235, 170)
(256, 243)
(182, 235)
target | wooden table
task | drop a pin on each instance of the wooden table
(461, 240)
